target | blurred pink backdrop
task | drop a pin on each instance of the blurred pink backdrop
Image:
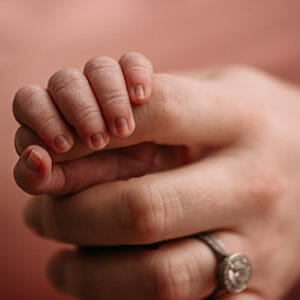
(39, 37)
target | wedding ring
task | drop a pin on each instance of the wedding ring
(233, 270)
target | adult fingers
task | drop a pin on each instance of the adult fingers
(33, 107)
(179, 269)
(200, 197)
(191, 112)
(175, 270)
(138, 72)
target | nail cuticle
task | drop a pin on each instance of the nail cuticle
(121, 126)
(61, 143)
(97, 140)
(34, 160)
(139, 92)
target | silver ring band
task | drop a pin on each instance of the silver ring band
(233, 270)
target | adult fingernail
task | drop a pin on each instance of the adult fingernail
(139, 93)
(61, 143)
(98, 141)
(34, 160)
(121, 126)
(32, 216)
(56, 270)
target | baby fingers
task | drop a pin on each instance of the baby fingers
(34, 108)
(36, 174)
(138, 72)
(71, 92)
(93, 103)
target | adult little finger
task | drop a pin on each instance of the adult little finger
(181, 269)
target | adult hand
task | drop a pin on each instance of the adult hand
(239, 129)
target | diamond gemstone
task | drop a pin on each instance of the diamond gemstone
(236, 272)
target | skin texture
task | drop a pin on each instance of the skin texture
(93, 103)
(222, 156)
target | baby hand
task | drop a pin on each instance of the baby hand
(96, 103)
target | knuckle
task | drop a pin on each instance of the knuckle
(63, 79)
(171, 278)
(47, 123)
(113, 97)
(99, 63)
(143, 213)
(24, 95)
(265, 186)
(242, 74)
(231, 70)
(85, 114)
(139, 67)
(237, 69)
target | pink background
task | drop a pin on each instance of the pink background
(39, 37)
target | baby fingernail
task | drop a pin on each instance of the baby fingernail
(139, 93)
(97, 140)
(34, 160)
(121, 126)
(61, 143)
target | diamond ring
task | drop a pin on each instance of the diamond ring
(233, 270)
